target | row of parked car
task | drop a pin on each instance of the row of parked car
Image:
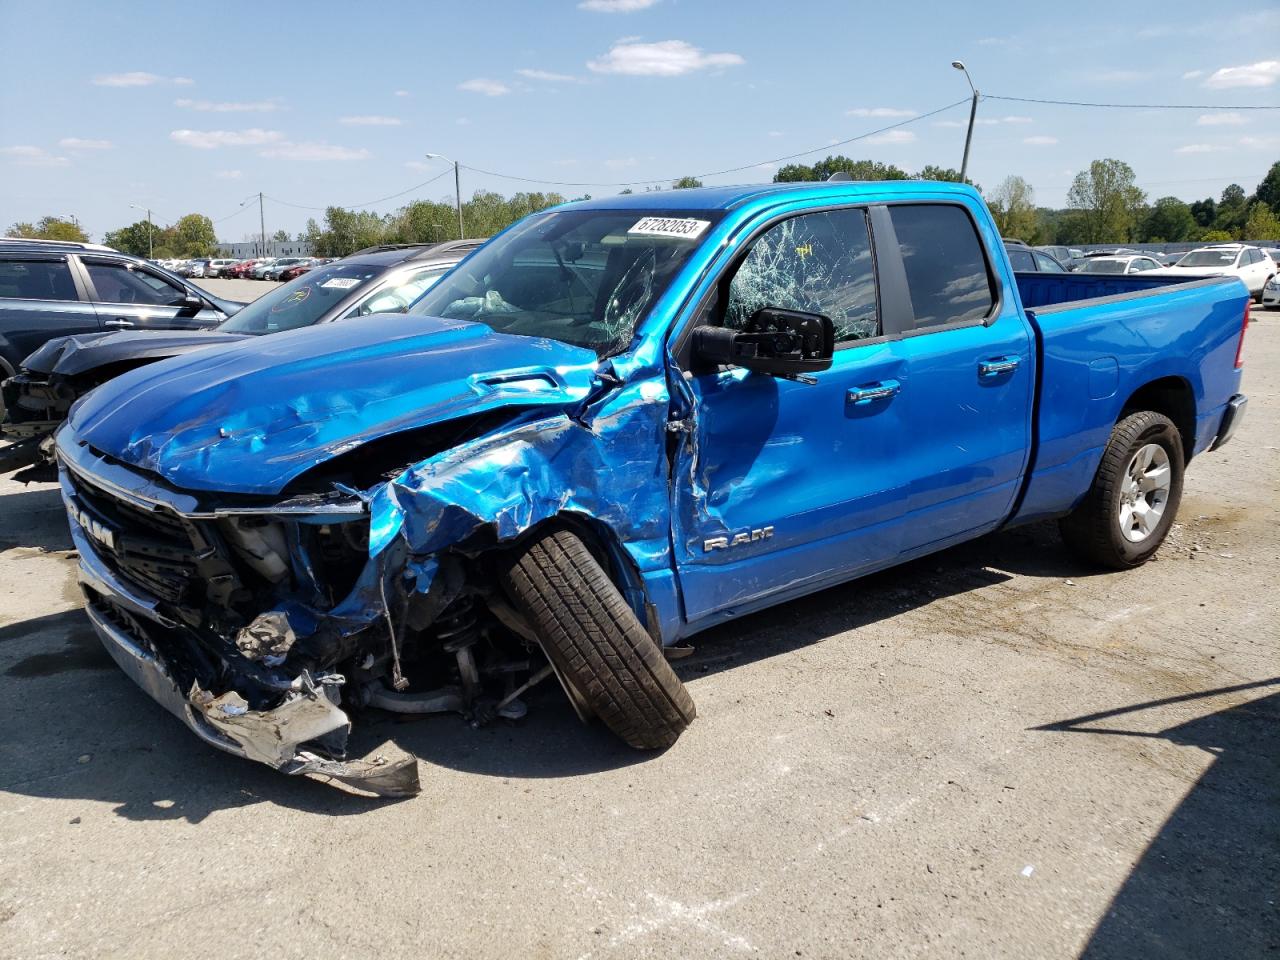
(282, 269)
(1257, 267)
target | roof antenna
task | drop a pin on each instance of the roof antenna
(840, 176)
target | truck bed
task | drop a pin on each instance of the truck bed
(1098, 339)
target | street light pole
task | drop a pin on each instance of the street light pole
(973, 114)
(457, 189)
(262, 222)
(151, 249)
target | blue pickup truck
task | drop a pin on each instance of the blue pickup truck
(620, 422)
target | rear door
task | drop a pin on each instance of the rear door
(784, 485)
(129, 296)
(969, 380)
(40, 299)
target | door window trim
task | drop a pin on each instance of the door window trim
(92, 288)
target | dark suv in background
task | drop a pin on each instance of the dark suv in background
(50, 289)
(385, 279)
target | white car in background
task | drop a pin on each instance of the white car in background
(1250, 264)
(215, 267)
(1125, 264)
(1271, 294)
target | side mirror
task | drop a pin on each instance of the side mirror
(782, 343)
(188, 304)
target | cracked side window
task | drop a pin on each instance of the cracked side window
(816, 262)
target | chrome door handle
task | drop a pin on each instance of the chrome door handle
(997, 366)
(874, 391)
(117, 323)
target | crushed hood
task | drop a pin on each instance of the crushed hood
(71, 356)
(253, 416)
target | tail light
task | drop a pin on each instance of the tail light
(1244, 325)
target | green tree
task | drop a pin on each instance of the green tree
(1204, 211)
(51, 228)
(280, 236)
(1169, 221)
(1108, 200)
(193, 236)
(1233, 210)
(133, 238)
(823, 169)
(685, 183)
(1013, 206)
(1262, 224)
(1215, 236)
(1268, 191)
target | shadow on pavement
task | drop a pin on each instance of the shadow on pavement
(150, 766)
(35, 518)
(1207, 885)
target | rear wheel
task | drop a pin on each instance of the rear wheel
(1131, 505)
(595, 643)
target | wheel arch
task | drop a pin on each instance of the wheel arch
(1173, 397)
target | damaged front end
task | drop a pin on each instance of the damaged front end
(262, 625)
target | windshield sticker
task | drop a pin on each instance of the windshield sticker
(341, 283)
(684, 229)
(293, 299)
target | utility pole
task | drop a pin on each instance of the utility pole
(973, 114)
(262, 222)
(457, 189)
(151, 247)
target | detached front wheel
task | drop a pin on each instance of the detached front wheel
(595, 643)
(1134, 498)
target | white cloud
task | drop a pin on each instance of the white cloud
(1015, 119)
(1261, 74)
(615, 6)
(776, 133)
(1259, 141)
(1221, 120)
(490, 88)
(421, 165)
(1192, 74)
(621, 163)
(1040, 141)
(78, 143)
(893, 136)
(136, 78)
(666, 58)
(370, 120)
(1200, 148)
(29, 156)
(402, 93)
(879, 112)
(215, 106)
(228, 174)
(547, 76)
(314, 151)
(212, 139)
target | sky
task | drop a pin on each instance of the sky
(197, 108)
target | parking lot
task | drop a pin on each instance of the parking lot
(994, 751)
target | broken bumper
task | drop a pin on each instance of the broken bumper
(278, 737)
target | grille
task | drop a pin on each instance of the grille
(151, 548)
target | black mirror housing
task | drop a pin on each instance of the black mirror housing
(783, 343)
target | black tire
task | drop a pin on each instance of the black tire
(1093, 529)
(595, 642)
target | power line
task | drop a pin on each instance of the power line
(366, 203)
(718, 173)
(1132, 106)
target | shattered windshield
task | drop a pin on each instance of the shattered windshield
(582, 277)
(303, 300)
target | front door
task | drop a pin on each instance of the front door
(39, 301)
(784, 485)
(130, 297)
